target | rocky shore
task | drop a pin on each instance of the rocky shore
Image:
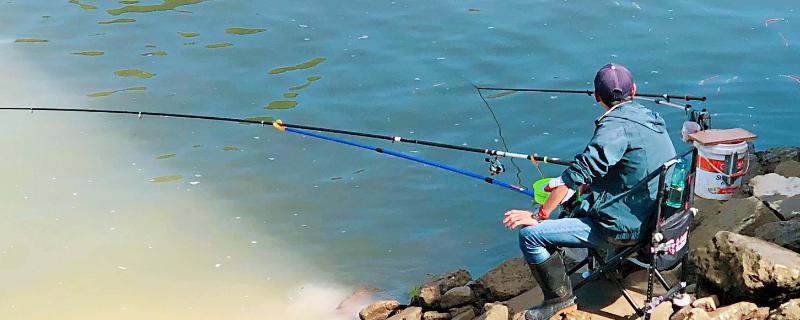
(745, 261)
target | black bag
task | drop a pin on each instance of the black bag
(675, 243)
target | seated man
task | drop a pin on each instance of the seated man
(629, 142)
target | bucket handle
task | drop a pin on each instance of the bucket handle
(734, 175)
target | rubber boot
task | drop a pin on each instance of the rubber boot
(556, 287)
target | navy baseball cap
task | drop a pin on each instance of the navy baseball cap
(613, 82)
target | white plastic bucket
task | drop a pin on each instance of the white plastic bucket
(710, 181)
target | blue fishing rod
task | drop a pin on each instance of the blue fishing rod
(495, 167)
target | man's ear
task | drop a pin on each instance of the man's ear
(597, 97)
(633, 90)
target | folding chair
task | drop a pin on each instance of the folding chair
(666, 247)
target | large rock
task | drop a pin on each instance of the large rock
(430, 293)
(506, 280)
(780, 193)
(770, 158)
(787, 311)
(750, 268)
(689, 313)
(494, 311)
(784, 233)
(788, 168)
(410, 313)
(436, 315)
(467, 313)
(708, 213)
(379, 310)
(742, 310)
(456, 297)
(737, 215)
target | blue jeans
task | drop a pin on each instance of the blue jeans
(535, 240)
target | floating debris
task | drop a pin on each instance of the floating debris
(84, 6)
(336, 178)
(149, 46)
(702, 82)
(165, 156)
(46, 17)
(359, 171)
(89, 53)
(134, 73)
(108, 93)
(772, 20)
(305, 65)
(129, 2)
(197, 146)
(785, 42)
(188, 34)
(29, 40)
(161, 179)
(290, 95)
(362, 37)
(164, 6)
(159, 53)
(264, 119)
(792, 77)
(501, 94)
(231, 149)
(281, 104)
(244, 31)
(474, 10)
(120, 20)
(314, 78)
(189, 43)
(219, 45)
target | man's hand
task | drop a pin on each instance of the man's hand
(515, 218)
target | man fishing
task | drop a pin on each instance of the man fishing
(629, 142)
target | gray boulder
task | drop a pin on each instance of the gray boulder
(430, 293)
(749, 268)
(436, 315)
(784, 233)
(787, 311)
(456, 297)
(788, 168)
(742, 310)
(782, 194)
(506, 280)
(378, 310)
(464, 313)
(741, 216)
(770, 158)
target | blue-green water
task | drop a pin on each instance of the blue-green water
(399, 68)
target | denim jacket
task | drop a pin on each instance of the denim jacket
(629, 142)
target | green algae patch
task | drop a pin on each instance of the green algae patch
(120, 20)
(134, 73)
(231, 149)
(159, 53)
(129, 2)
(161, 179)
(188, 34)
(244, 31)
(219, 45)
(336, 178)
(89, 53)
(197, 146)
(46, 17)
(281, 104)
(164, 6)
(29, 40)
(108, 93)
(290, 95)
(300, 87)
(314, 78)
(189, 43)
(474, 10)
(305, 65)
(149, 46)
(259, 119)
(165, 156)
(84, 6)
(501, 94)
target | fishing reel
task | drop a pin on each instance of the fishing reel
(495, 166)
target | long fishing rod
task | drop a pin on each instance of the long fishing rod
(534, 158)
(301, 129)
(665, 96)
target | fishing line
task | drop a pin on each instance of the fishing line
(502, 138)
(664, 96)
